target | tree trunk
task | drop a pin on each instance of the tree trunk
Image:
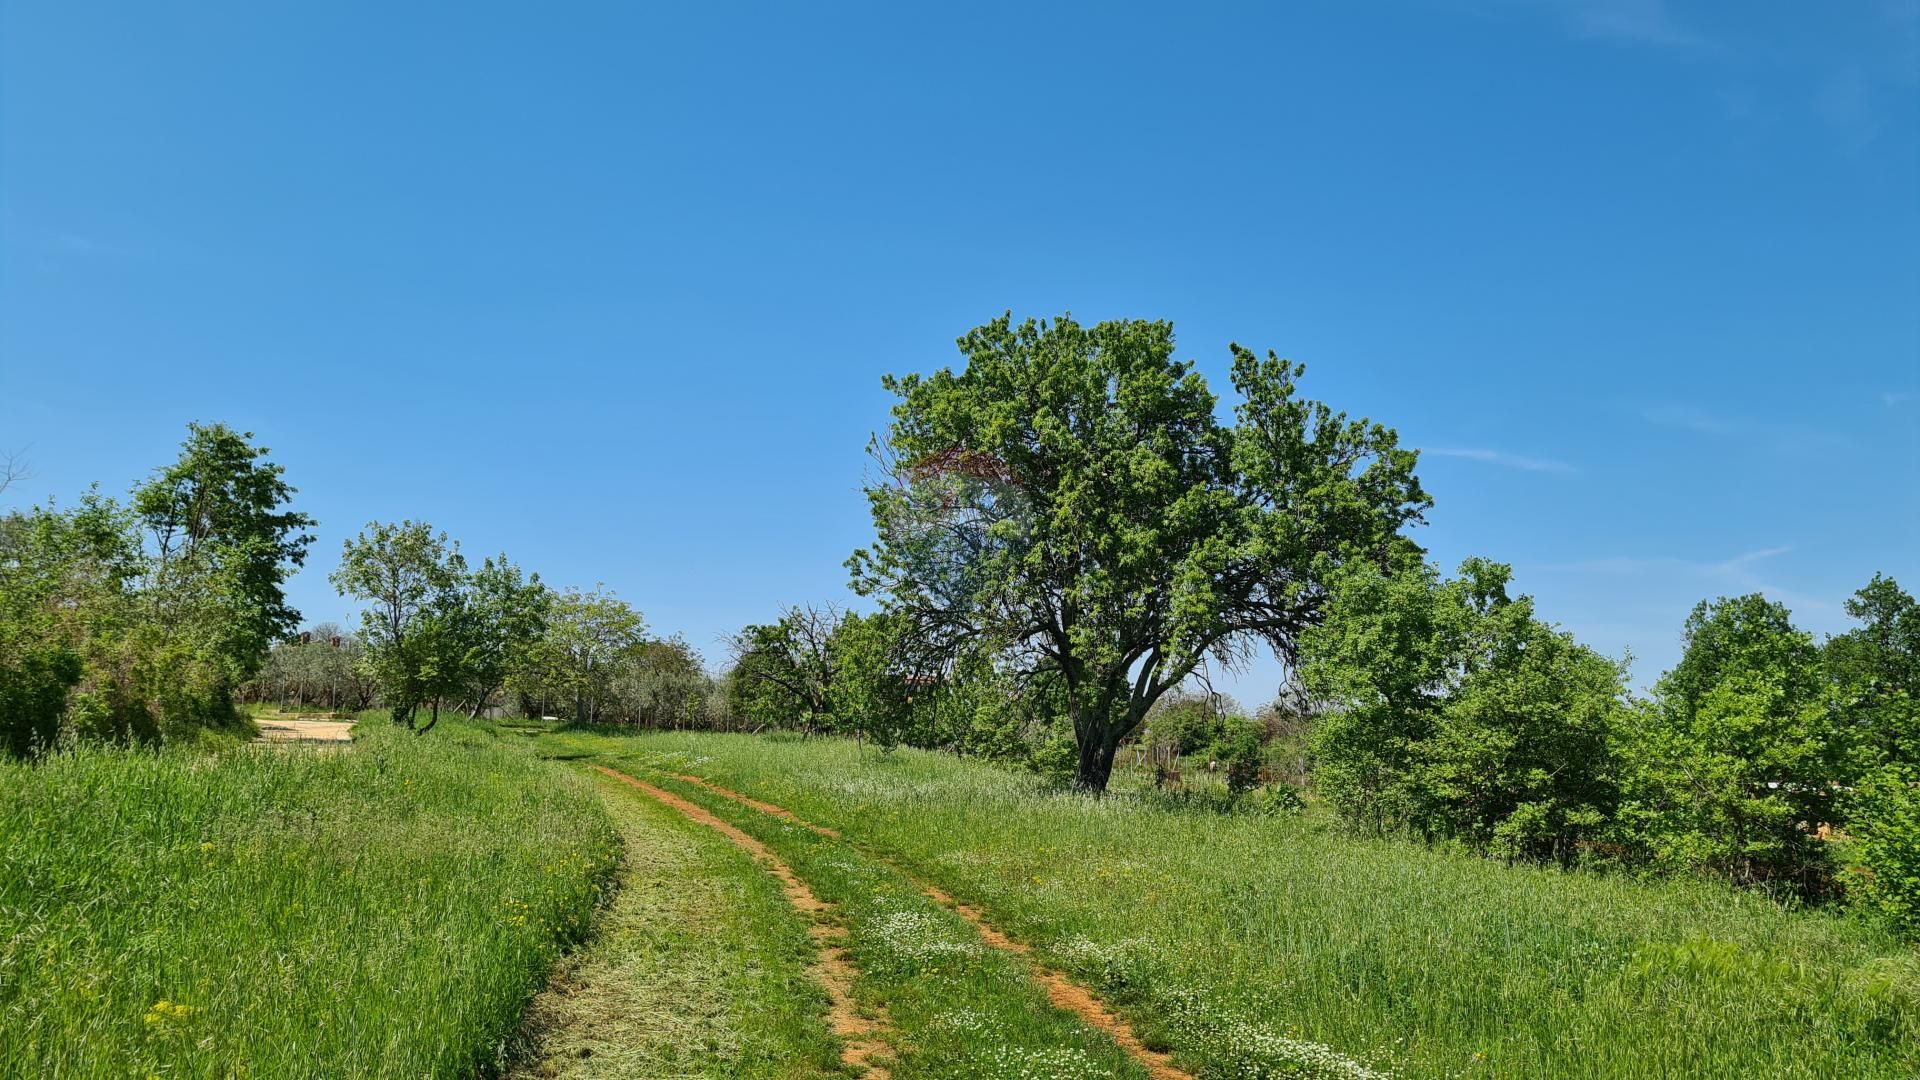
(433, 721)
(1096, 761)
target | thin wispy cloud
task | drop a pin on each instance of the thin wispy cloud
(1741, 573)
(1501, 458)
(1895, 398)
(1739, 563)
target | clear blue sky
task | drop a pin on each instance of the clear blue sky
(611, 286)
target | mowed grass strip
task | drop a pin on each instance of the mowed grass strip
(697, 968)
(381, 909)
(1062, 992)
(1259, 946)
(960, 1008)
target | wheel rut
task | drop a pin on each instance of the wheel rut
(863, 1044)
(1062, 991)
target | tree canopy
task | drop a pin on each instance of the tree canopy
(1071, 496)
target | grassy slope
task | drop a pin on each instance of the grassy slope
(697, 968)
(1228, 937)
(380, 910)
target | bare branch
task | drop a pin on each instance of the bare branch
(13, 468)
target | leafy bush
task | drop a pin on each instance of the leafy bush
(1240, 752)
(1457, 714)
(1187, 722)
(1736, 761)
(1886, 826)
(1056, 759)
(1277, 800)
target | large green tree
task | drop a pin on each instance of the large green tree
(1071, 499)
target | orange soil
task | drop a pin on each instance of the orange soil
(1063, 992)
(860, 1036)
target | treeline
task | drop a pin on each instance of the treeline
(1764, 757)
(438, 632)
(137, 620)
(1066, 533)
(1446, 709)
(154, 618)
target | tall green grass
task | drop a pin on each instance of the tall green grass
(383, 909)
(1281, 947)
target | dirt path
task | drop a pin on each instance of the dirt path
(1063, 992)
(860, 1034)
(763, 807)
(326, 731)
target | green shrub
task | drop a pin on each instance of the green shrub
(1240, 752)
(1736, 759)
(1187, 722)
(1456, 714)
(1276, 800)
(1056, 759)
(1886, 827)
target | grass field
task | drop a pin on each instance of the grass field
(384, 909)
(1259, 947)
(391, 908)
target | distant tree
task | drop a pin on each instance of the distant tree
(1071, 495)
(1874, 670)
(64, 579)
(783, 672)
(588, 634)
(874, 681)
(222, 544)
(1454, 713)
(1189, 722)
(662, 683)
(411, 577)
(321, 666)
(1734, 764)
(505, 617)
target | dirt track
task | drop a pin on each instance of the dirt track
(861, 1036)
(322, 731)
(1063, 992)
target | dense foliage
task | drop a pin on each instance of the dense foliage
(1070, 501)
(139, 621)
(1461, 715)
